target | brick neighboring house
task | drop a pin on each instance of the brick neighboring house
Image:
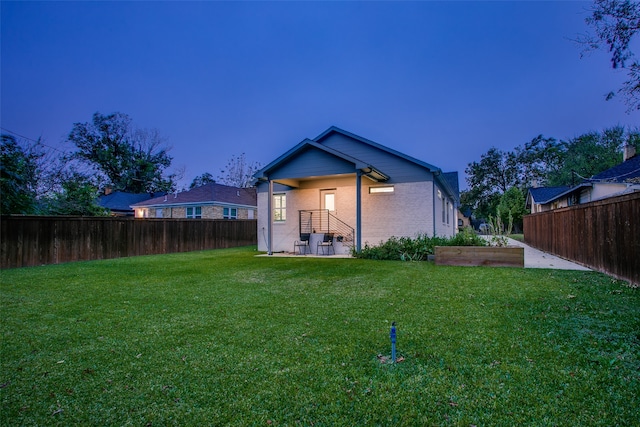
(355, 190)
(210, 201)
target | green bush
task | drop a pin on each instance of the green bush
(467, 237)
(417, 249)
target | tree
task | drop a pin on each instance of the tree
(513, 203)
(488, 179)
(201, 180)
(78, 196)
(131, 160)
(18, 177)
(591, 153)
(615, 23)
(542, 161)
(238, 172)
(537, 159)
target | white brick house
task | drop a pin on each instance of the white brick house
(356, 189)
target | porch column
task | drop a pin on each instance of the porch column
(270, 219)
(358, 210)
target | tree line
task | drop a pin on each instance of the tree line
(109, 151)
(499, 181)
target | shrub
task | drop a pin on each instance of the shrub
(418, 248)
(467, 237)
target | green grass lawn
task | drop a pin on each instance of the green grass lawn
(227, 338)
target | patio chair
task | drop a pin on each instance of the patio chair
(302, 244)
(327, 242)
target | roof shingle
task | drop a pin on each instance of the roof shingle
(546, 194)
(208, 193)
(628, 171)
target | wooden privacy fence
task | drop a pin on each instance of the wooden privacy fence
(602, 235)
(36, 240)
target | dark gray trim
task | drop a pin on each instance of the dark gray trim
(358, 211)
(270, 219)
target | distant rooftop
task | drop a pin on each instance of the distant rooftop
(546, 194)
(625, 172)
(120, 202)
(208, 193)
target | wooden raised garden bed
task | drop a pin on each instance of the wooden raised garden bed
(510, 256)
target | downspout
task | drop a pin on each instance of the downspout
(455, 218)
(270, 219)
(433, 203)
(358, 211)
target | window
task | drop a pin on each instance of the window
(159, 213)
(230, 213)
(443, 206)
(330, 201)
(447, 212)
(250, 214)
(378, 190)
(279, 207)
(194, 212)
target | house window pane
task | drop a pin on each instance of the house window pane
(447, 212)
(229, 213)
(159, 213)
(378, 190)
(194, 212)
(330, 201)
(279, 207)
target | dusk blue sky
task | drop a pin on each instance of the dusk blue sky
(439, 81)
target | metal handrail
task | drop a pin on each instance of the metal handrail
(323, 221)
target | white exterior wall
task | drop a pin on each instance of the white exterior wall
(284, 232)
(306, 197)
(602, 191)
(444, 228)
(408, 211)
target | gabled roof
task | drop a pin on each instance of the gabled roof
(452, 180)
(367, 169)
(211, 193)
(625, 172)
(334, 129)
(119, 201)
(543, 195)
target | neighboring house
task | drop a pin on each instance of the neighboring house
(618, 180)
(542, 199)
(355, 188)
(464, 218)
(119, 203)
(210, 201)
